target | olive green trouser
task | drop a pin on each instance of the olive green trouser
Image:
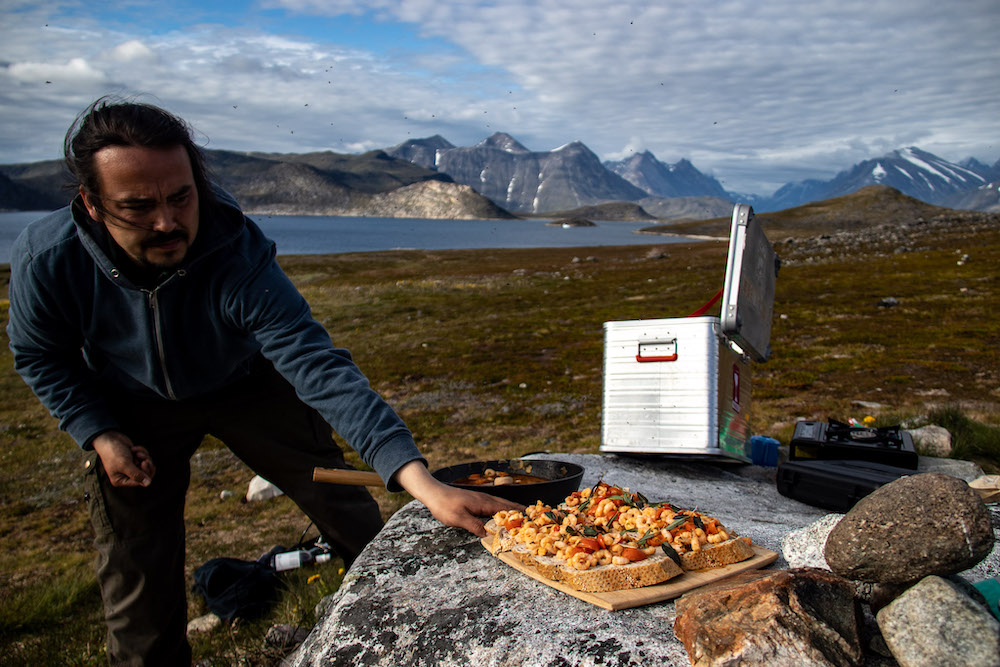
(140, 531)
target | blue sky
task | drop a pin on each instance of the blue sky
(754, 93)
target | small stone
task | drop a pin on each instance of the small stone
(285, 636)
(804, 547)
(932, 440)
(787, 617)
(877, 596)
(888, 302)
(934, 623)
(225, 494)
(261, 489)
(203, 624)
(913, 527)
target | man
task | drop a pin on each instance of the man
(151, 312)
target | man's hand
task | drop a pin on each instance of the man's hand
(451, 506)
(126, 464)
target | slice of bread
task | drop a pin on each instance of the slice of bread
(598, 579)
(733, 550)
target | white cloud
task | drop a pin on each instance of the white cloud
(133, 51)
(77, 71)
(757, 93)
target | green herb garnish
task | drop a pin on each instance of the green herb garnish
(678, 521)
(648, 534)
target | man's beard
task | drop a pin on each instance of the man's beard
(160, 239)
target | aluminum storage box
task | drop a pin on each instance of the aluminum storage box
(682, 385)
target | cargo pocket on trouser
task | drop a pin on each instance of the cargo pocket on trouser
(139, 538)
(96, 505)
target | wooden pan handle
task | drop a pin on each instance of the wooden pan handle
(352, 477)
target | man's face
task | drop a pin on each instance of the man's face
(150, 202)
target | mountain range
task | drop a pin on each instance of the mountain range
(431, 177)
(912, 171)
(572, 176)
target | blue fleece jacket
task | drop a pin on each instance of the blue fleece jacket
(77, 321)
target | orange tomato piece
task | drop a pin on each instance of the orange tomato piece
(633, 554)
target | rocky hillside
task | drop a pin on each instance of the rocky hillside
(678, 209)
(622, 211)
(36, 186)
(520, 180)
(325, 183)
(427, 199)
(16, 196)
(871, 207)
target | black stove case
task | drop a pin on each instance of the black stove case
(835, 465)
(834, 485)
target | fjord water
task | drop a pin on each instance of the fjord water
(316, 235)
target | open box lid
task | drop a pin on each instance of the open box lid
(748, 294)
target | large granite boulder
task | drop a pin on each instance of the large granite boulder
(424, 594)
(790, 618)
(913, 527)
(427, 595)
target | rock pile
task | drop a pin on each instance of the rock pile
(889, 592)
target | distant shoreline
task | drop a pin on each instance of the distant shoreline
(693, 237)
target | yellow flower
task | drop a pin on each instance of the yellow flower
(869, 420)
(340, 571)
(313, 579)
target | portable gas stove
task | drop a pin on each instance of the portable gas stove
(836, 440)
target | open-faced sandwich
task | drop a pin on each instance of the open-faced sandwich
(607, 538)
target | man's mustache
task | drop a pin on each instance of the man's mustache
(164, 238)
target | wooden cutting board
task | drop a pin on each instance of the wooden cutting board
(636, 597)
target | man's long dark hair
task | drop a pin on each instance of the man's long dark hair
(111, 121)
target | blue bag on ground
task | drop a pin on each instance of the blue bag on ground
(235, 588)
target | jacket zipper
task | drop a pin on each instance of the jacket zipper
(158, 340)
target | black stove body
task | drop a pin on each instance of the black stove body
(890, 445)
